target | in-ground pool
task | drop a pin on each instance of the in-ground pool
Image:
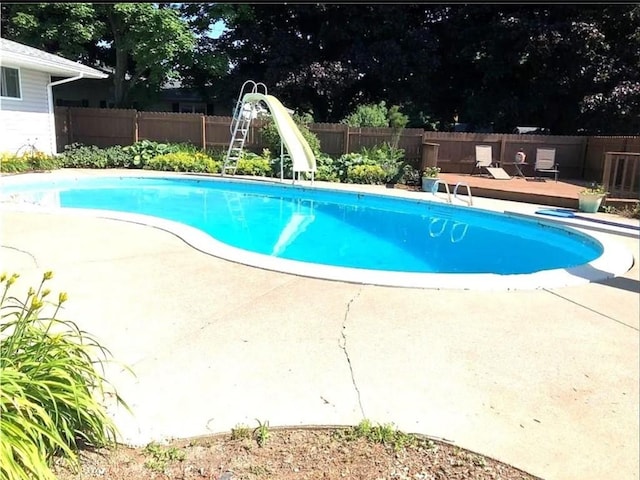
(339, 235)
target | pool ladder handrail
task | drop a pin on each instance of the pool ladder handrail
(434, 189)
(469, 200)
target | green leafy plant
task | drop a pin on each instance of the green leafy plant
(117, 157)
(348, 160)
(50, 386)
(10, 163)
(144, 150)
(77, 155)
(626, 211)
(240, 432)
(271, 137)
(326, 169)
(368, 115)
(385, 434)
(594, 189)
(367, 174)
(183, 162)
(161, 456)
(431, 172)
(388, 157)
(261, 432)
(32, 161)
(251, 164)
(410, 175)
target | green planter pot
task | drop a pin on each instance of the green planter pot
(429, 184)
(589, 203)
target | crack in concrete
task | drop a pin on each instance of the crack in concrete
(343, 346)
(592, 310)
(35, 262)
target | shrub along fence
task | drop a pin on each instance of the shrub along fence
(579, 157)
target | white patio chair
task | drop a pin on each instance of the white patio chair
(546, 162)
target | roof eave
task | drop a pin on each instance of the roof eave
(48, 66)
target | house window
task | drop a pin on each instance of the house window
(10, 83)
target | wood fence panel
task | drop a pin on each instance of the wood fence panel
(457, 150)
(171, 127)
(217, 131)
(595, 153)
(579, 157)
(101, 127)
(332, 137)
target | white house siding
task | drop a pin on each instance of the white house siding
(27, 118)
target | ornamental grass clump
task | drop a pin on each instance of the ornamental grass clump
(50, 386)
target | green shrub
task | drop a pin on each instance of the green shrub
(256, 165)
(367, 174)
(326, 169)
(377, 115)
(117, 157)
(77, 155)
(49, 386)
(11, 163)
(347, 160)
(396, 118)
(183, 162)
(388, 158)
(410, 175)
(271, 137)
(368, 115)
(144, 150)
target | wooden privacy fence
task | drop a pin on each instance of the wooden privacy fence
(456, 152)
(579, 157)
(621, 170)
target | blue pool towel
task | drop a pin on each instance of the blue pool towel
(556, 212)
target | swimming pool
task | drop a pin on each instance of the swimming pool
(339, 235)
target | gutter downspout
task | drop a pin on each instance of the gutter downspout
(52, 118)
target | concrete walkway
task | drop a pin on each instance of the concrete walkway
(546, 380)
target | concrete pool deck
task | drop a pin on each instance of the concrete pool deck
(546, 380)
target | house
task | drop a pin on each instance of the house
(173, 97)
(26, 94)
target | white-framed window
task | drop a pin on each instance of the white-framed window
(10, 83)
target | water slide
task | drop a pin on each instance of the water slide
(299, 150)
(296, 225)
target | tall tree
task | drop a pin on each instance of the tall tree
(327, 58)
(509, 65)
(143, 43)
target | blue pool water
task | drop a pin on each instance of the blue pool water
(329, 227)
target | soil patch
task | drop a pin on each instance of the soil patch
(293, 454)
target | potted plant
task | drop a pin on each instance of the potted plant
(430, 179)
(590, 199)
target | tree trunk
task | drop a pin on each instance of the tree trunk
(119, 76)
(121, 61)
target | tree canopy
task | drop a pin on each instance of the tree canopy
(141, 43)
(570, 68)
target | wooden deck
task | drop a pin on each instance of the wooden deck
(546, 191)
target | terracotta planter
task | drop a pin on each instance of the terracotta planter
(429, 184)
(589, 203)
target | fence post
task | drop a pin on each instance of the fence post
(606, 175)
(135, 127)
(346, 139)
(204, 134)
(583, 156)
